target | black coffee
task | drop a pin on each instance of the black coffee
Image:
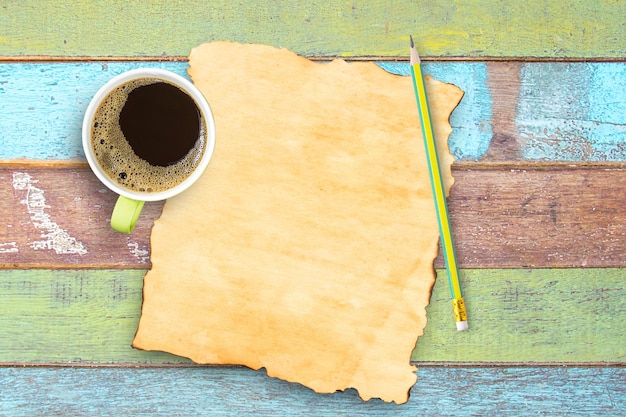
(148, 135)
(160, 122)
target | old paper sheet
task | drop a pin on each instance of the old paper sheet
(307, 246)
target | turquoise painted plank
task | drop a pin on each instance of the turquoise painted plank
(202, 391)
(43, 105)
(566, 111)
(573, 112)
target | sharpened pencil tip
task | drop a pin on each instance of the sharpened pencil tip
(415, 59)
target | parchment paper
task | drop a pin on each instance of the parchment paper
(307, 246)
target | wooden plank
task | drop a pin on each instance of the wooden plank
(539, 111)
(539, 217)
(238, 391)
(72, 316)
(540, 316)
(502, 117)
(528, 316)
(552, 29)
(58, 216)
(591, 127)
(471, 120)
(43, 105)
(51, 99)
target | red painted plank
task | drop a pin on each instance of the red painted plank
(502, 216)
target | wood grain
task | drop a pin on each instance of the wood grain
(553, 29)
(51, 99)
(526, 216)
(537, 111)
(536, 217)
(44, 103)
(504, 85)
(539, 316)
(515, 110)
(239, 391)
(588, 127)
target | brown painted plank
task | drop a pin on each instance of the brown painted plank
(537, 216)
(503, 80)
(58, 216)
(502, 216)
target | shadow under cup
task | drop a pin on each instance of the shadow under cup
(148, 134)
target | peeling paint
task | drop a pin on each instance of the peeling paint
(53, 236)
(142, 254)
(10, 247)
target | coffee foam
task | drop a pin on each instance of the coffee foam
(118, 160)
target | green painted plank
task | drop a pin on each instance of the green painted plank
(477, 28)
(561, 315)
(237, 391)
(530, 315)
(72, 316)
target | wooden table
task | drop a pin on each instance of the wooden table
(538, 211)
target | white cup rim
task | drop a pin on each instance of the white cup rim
(170, 77)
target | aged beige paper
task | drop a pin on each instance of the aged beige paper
(307, 246)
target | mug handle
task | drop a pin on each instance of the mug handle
(125, 214)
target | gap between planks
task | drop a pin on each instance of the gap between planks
(476, 365)
(458, 165)
(318, 58)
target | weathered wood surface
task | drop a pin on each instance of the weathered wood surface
(501, 217)
(516, 112)
(476, 28)
(510, 111)
(239, 391)
(535, 316)
(536, 111)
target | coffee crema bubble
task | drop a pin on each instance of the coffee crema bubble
(148, 135)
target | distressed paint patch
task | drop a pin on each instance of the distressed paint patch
(53, 236)
(573, 111)
(10, 247)
(470, 121)
(143, 255)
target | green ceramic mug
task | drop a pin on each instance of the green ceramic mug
(148, 134)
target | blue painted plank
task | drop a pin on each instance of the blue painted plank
(566, 111)
(43, 105)
(573, 112)
(231, 391)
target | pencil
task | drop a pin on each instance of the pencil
(445, 232)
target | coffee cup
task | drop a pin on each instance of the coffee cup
(148, 134)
